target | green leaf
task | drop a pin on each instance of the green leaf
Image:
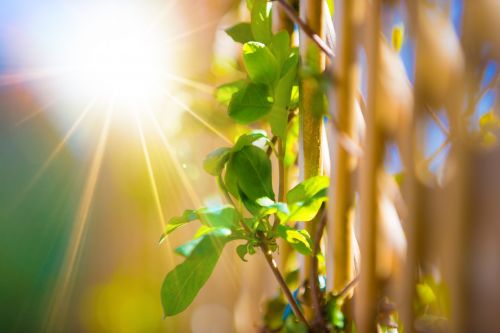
(253, 172)
(305, 199)
(261, 21)
(219, 217)
(248, 139)
(183, 283)
(225, 92)
(260, 63)
(231, 179)
(176, 222)
(242, 251)
(278, 117)
(280, 46)
(186, 249)
(298, 239)
(250, 104)
(270, 207)
(215, 161)
(241, 32)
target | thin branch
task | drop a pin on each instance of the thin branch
(306, 28)
(315, 290)
(281, 281)
(269, 257)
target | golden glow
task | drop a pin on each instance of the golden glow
(121, 54)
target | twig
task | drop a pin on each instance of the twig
(306, 28)
(281, 281)
(315, 290)
(269, 258)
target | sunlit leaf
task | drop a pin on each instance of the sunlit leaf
(300, 240)
(248, 139)
(183, 283)
(219, 217)
(280, 46)
(224, 93)
(260, 63)
(176, 222)
(261, 20)
(305, 199)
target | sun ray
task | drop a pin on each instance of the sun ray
(65, 281)
(196, 116)
(35, 114)
(200, 86)
(24, 76)
(62, 143)
(233, 273)
(191, 32)
(195, 200)
(152, 179)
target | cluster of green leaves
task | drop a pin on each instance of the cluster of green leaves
(253, 215)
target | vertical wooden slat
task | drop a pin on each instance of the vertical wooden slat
(366, 300)
(311, 113)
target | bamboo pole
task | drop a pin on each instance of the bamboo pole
(345, 163)
(371, 166)
(311, 112)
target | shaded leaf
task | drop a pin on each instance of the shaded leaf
(253, 171)
(215, 161)
(250, 104)
(242, 251)
(241, 32)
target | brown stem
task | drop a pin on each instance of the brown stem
(315, 290)
(281, 281)
(306, 28)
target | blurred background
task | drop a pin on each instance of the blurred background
(106, 114)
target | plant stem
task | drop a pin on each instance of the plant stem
(311, 106)
(309, 30)
(345, 162)
(269, 258)
(315, 290)
(281, 281)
